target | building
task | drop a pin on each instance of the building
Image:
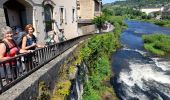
(87, 10)
(166, 11)
(151, 10)
(45, 15)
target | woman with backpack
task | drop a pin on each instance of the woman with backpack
(8, 49)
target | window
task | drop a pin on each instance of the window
(48, 10)
(65, 17)
(97, 6)
(73, 15)
(61, 16)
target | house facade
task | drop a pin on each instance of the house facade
(87, 10)
(45, 15)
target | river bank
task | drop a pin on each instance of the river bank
(96, 53)
(158, 44)
(139, 75)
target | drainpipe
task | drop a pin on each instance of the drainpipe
(35, 21)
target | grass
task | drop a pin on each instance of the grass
(158, 44)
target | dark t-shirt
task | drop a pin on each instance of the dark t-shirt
(30, 41)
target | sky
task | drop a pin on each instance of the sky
(108, 1)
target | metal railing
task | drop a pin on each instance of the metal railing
(17, 68)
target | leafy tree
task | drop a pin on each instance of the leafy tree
(107, 12)
(99, 21)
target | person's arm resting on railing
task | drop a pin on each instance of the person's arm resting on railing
(24, 44)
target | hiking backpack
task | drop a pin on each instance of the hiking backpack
(18, 38)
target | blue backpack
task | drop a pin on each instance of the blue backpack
(18, 38)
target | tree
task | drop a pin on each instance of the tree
(99, 21)
(107, 11)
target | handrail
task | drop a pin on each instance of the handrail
(17, 68)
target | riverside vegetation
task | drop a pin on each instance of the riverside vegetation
(96, 54)
(158, 44)
(163, 23)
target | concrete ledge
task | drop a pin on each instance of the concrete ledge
(27, 89)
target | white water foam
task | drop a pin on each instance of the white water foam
(138, 73)
(136, 50)
(164, 65)
(143, 71)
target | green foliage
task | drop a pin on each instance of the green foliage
(128, 12)
(99, 21)
(157, 43)
(107, 12)
(48, 24)
(118, 23)
(166, 17)
(63, 88)
(96, 55)
(71, 69)
(150, 47)
(43, 92)
(90, 93)
(164, 23)
(131, 8)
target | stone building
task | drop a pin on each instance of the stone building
(87, 10)
(45, 15)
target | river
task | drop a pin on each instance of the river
(138, 74)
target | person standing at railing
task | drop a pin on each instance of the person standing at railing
(29, 42)
(8, 48)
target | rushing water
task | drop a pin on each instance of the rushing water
(139, 76)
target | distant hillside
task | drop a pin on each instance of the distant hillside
(140, 3)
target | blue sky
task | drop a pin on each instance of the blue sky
(108, 1)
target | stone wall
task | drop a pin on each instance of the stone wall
(2, 20)
(86, 29)
(86, 9)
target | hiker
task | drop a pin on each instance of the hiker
(8, 49)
